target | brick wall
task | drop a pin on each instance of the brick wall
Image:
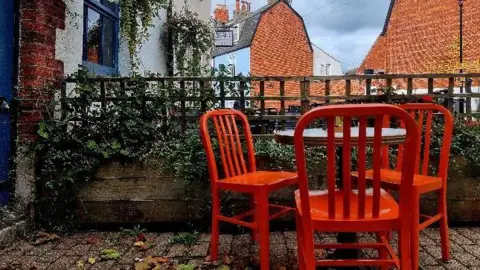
(423, 37)
(39, 20)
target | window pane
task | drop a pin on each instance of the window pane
(93, 36)
(108, 42)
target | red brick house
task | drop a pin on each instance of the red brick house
(272, 41)
(423, 37)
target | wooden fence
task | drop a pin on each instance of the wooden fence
(263, 116)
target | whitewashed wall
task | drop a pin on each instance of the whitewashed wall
(323, 58)
(152, 53)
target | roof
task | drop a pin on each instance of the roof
(248, 28)
(387, 20)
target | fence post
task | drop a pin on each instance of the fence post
(328, 90)
(368, 87)
(409, 86)
(451, 86)
(305, 91)
(182, 106)
(348, 87)
(242, 95)
(468, 90)
(262, 105)
(222, 94)
(282, 103)
(203, 103)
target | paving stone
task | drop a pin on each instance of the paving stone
(204, 237)
(466, 259)
(427, 259)
(177, 250)
(454, 265)
(102, 265)
(433, 233)
(79, 250)
(225, 243)
(277, 237)
(65, 262)
(425, 240)
(199, 250)
(30, 262)
(66, 243)
(473, 249)
(240, 245)
(459, 239)
(130, 255)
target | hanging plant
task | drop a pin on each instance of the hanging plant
(136, 19)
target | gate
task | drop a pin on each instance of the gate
(7, 45)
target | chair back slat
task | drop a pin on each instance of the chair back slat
(362, 158)
(229, 143)
(347, 178)
(239, 146)
(342, 208)
(425, 113)
(331, 167)
(377, 163)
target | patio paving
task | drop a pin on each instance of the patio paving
(66, 252)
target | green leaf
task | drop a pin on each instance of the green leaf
(110, 254)
(42, 130)
(92, 145)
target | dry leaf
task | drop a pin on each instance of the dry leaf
(226, 259)
(80, 265)
(92, 239)
(139, 244)
(91, 260)
(150, 263)
(43, 237)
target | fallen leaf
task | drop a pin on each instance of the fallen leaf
(92, 239)
(43, 237)
(91, 260)
(150, 263)
(223, 267)
(80, 265)
(186, 267)
(110, 254)
(139, 244)
(226, 259)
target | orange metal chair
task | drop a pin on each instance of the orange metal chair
(423, 181)
(241, 176)
(355, 210)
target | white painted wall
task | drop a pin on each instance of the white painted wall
(152, 53)
(320, 57)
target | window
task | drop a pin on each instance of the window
(231, 70)
(328, 71)
(100, 39)
(322, 69)
(236, 33)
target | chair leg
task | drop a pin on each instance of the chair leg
(298, 225)
(382, 252)
(442, 205)
(254, 232)
(404, 250)
(264, 230)
(415, 230)
(215, 229)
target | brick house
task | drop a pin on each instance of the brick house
(423, 37)
(271, 41)
(41, 41)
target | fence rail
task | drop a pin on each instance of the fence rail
(263, 116)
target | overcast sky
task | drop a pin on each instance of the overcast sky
(346, 29)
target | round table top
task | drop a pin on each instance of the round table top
(318, 136)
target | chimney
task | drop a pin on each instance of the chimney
(237, 5)
(244, 6)
(221, 13)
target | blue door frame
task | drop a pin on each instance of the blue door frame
(7, 73)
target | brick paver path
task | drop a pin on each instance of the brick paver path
(67, 251)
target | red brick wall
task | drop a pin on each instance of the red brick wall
(421, 37)
(39, 20)
(280, 48)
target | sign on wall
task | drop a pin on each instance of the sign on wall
(223, 38)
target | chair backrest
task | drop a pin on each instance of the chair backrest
(229, 143)
(361, 113)
(424, 114)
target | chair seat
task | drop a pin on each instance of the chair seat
(260, 179)
(391, 180)
(389, 211)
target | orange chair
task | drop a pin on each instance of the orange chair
(241, 176)
(355, 210)
(423, 182)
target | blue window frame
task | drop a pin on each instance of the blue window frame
(100, 38)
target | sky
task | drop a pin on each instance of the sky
(346, 29)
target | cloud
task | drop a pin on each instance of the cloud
(346, 29)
